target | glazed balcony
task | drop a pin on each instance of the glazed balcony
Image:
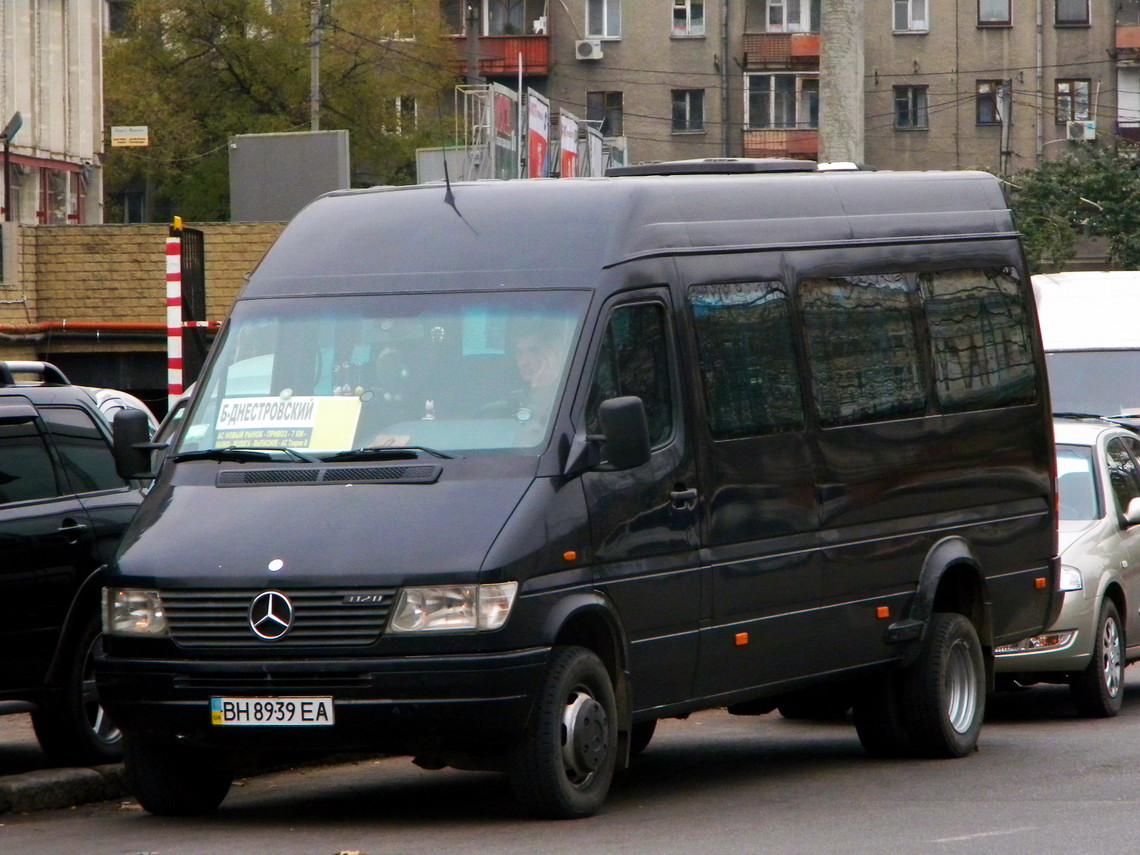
(801, 143)
(499, 55)
(781, 50)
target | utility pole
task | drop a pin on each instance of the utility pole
(474, 78)
(841, 114)
(314, 65)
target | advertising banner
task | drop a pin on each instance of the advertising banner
(538, 134)
(505, 104)
(568, 142)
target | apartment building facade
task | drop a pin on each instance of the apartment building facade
(999, 85)
(51, 75)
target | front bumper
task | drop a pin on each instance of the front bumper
(397, 705)
(1079, 614)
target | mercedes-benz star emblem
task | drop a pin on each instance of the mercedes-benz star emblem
(270, 615)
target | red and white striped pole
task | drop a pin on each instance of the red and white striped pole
(174, 312)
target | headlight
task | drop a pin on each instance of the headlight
(441, 608)
(1070, 579)
(131, 612)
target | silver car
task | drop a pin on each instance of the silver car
(1098, 630)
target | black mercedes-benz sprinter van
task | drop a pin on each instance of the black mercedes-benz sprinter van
(498, 474)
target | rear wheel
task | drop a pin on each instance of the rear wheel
(935, 706)
(175, 780)
(943, 693)
(74, 729)
(563, 765)
(1098, 691)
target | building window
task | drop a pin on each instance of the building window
(782, 101)
(1073, 12)
(688, 110)
(1073, 101)
(118, 16)
(910, 107)
(993, 12)
(792, 16)
(603, 18)
(988, 93)
(688, 17)
(910, 16)
(606, 108)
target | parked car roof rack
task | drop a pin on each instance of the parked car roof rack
(49, 375)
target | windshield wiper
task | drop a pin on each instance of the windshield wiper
(241, 454)
(391, 452)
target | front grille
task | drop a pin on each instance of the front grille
(321, 618)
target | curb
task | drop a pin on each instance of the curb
(61, 788)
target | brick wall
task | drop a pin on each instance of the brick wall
(116, 273)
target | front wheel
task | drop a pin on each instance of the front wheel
(1098, 691)
(564, 762)
(74, 729)
(175, 780)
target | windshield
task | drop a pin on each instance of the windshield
(1076, 485)
(1099, 382)
(454, 373)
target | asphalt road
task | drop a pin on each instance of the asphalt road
(1042, 782)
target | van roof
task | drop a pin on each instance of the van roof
(563, 228)
(1089, 309)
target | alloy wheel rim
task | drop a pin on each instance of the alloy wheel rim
(1111, 659)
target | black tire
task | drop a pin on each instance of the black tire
(942, 696)
(564, 762)
(878, 717)
(640, 736)
(175, 780)
(73, 729)
(1098, 691)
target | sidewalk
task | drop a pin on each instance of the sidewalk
(29, 782)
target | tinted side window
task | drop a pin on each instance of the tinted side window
(979, 338)
(748, 363)
(1122, 474)
(86, 456)
(862, 349)
(634, 360)
(26, 470)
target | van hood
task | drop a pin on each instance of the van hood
(190, 531)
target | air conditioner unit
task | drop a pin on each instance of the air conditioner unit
(1080, 131)
(586, 49)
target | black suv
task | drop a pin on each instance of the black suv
(62, 512)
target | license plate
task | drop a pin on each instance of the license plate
(271, 712)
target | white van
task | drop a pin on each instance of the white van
(1090, 326)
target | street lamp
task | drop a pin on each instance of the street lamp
(10, 130)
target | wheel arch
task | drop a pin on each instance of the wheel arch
(952, 581)
(85, 602)
(590, 620)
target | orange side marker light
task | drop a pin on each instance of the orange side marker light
(1040, 583)
(741, 639)
(569, 555)
(883, 611)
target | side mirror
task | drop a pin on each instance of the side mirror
(130, 434)
(1132, 512)
(626, 432)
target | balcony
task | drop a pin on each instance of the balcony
(801, 143)
(1128, 45)
(781, 50)
(499, 55)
